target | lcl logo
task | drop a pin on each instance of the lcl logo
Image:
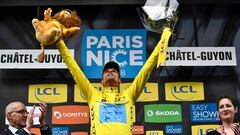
(154, 133)
(201, 132)
(47, 91)
(183, 89)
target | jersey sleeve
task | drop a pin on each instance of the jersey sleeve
(81, 80)
(135, 90)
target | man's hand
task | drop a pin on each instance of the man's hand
(43, 109)
(29, 122)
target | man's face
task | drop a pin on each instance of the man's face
(110, 78)
(17, 117)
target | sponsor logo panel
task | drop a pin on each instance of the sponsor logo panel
(154, 132)
(201, 56)
(150, 92)
(70, 114)
(78, 95)
(203, 129)
(48, 93)
(35, 131)
(25, 59)
(60, 131)
(184, 91)
(138, 129)
(79, 133)
(173, 129)
(125, 46)
(204, 112)
(162, 113)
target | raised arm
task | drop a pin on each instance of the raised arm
(44, 127)
(140, 81)
(82, 82)
(29, 122)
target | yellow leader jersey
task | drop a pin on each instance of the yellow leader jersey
(111, 111)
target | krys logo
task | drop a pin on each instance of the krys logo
(49, 93)
(163, 113)
(184, 91)
(125, 46)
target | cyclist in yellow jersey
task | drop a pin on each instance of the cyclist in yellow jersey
(111, 109)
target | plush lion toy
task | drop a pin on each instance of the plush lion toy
(63, 24)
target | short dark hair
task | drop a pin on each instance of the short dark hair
(112, 64)
(233, 101)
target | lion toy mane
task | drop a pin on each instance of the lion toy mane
(63, 24)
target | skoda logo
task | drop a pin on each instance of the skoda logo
(150, 113)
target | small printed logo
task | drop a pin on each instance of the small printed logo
(173, 129)
(57, 114)
(138, 130)
(60, 130)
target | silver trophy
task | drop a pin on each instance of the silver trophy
(160, 16)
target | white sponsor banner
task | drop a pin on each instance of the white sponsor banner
(26, 59)
(36, 115)
(201, 56)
